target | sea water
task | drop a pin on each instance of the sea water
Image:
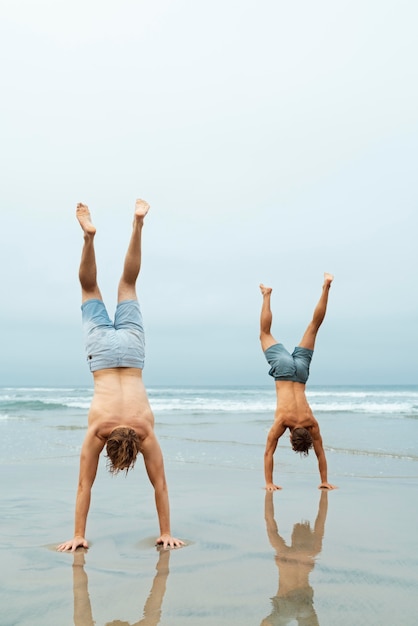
(369, 430)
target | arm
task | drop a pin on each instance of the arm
(82, 608)
(275, 539)
(89, 459)
(322, 461)
(319, 528)
(276, 431)
(154, 465)
(152, 608)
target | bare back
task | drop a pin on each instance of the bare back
(120, 399)
(292, 409)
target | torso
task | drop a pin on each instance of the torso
(292, 408)
(120, 399)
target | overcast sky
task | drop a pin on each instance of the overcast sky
(273, 140)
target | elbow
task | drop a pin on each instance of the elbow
(84, 486)
(160, 487)
(268, 457)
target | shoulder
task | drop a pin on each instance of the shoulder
(149, 442)
(279, 426)
(93, 440)
(314, 430)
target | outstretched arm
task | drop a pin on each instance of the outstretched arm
(275, 539)
(322, 461)
(152, 608)
(319, 528)
(276, 431)
(82, 607)
(154, 465)
(89, 460)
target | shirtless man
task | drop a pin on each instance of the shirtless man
(120, 416)
(291, 371)
(294, 599)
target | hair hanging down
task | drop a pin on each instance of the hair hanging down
(301, 441)
(122, 449)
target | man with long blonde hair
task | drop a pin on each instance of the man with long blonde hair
(120, 415)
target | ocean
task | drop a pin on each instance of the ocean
(226, 426)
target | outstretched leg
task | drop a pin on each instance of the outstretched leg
(308, 339)
(132, 265)
(88, 270)
(266, 319)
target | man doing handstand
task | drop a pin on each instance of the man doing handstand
(120, 416)
(290, 372)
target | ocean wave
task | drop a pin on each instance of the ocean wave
(200, 406)
(16, 390)
(371, 393)
(374, 453)
(31, 405)
(193, 401)
(394, 408)
(231, 406)
(42, 405)
(210, 406)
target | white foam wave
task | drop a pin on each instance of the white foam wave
(77, 405)
(215, 406)
(392, 408)
(383, 401)
(207, 405)
(376, 393)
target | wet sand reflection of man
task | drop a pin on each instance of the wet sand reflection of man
(83, 615)
(294, 598)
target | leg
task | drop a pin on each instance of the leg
(266, 319)
(88, 270)
(132, 265)
(308, 339)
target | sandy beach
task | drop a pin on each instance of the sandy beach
(352, 561)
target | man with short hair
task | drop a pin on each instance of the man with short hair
(290, 372)
(120, 416)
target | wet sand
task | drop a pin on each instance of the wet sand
(345, 557)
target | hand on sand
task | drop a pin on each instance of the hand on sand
(327, 486)
(73, 544)
(272, 487)
(166, 541)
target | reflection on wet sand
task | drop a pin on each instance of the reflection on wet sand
(83, 615)
(294, 598)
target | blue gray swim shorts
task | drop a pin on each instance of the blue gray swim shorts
(286, 366)
(118, 344)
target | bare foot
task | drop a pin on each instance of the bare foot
(83, 216)
(266, 291)
(141, 209)
(328, 278)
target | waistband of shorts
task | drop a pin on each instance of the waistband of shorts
(105, 364)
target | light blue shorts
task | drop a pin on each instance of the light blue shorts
(118, 344)
(286, 366)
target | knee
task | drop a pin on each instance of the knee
(126, 291)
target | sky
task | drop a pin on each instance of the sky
(273, 140)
